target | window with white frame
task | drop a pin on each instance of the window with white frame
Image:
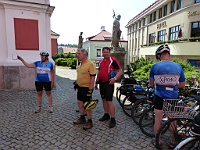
(173, 4)
(165, 10)
(173, 32)
(154, 16)
(98, 53)
(143, 21)
(179, 4)
(160, 13)
(152, 38)
(195, 31)
(161, 35)
(197, 1)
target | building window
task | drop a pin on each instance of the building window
(165, 11)
(98, 52)
(139, 24)
(161, 35)
(154, 16)
(150, 18)
(23, 29)
(152, 38)
(195, 32)
(179, 4)
(160, 13)
(143, 21)
(173, 6)
(173, 32)
(197, 1)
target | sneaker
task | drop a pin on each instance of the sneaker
(88, 125)
(79, 121)
(38, 109)
(112, 123)
(50, 109)
(105, 117)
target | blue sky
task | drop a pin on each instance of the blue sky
(70, 17)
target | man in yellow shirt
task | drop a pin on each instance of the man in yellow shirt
(86, 73)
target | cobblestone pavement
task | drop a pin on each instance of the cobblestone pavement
(22, 129)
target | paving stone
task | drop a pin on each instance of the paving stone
(22, 129)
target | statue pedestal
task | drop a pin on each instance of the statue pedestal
(119, 53)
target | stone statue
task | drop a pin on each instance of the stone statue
(116, 34)
(80, 40)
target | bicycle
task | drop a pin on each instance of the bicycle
(135, 94)
(141, 105)
(180, 115)
(190, 143)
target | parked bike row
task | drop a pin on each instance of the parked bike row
(178, 130)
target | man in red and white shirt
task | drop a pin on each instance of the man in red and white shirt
(109, 71)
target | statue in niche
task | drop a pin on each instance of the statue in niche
(116, 34)
(80, 40)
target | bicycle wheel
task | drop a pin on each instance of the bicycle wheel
(127, 105)
(190, 143)
(146, 122)
(137, 109)
(117, 93)
(172, 131)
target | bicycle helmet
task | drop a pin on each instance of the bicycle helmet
(161, 49)
(44, 53)
(89, 105)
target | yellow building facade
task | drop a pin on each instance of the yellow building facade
(175, 22)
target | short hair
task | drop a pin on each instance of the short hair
(84, 51)
(108, 48)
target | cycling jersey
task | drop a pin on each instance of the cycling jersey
(84, 72)
(106, 66)
(166, 76)
(43, 71)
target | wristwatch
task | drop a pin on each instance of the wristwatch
(115, 78)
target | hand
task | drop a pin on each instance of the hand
(96, 87)
(112, 81)
(20, 58)
(89, 93)
(75, 85)
(52, 84)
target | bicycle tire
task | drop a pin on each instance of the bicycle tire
(127, 105)
(190, 143)
(146, 122)
(137, 110)
(180, 129)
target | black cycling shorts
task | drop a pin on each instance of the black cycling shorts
(82, 94)
(158, 102)
(106, 90)
(43, 85)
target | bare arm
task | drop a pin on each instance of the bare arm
(52, 77)
(181, 85)
(151, 83)
(92, 80)
(118, 75)
(25, 63)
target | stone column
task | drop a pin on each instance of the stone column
(119, 53)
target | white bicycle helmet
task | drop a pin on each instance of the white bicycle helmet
(44, 53)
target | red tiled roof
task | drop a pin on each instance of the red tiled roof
(144, 11)
(102, 36)
(71, 50)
